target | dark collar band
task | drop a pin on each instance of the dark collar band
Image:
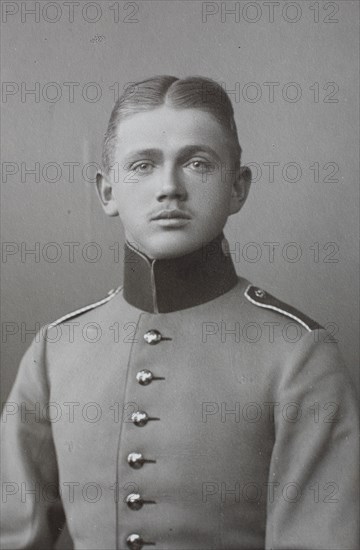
(162, 286)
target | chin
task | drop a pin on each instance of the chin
(168, 246)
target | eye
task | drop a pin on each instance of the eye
(142, 167)
(201, 166)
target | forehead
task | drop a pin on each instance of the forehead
(169, 130)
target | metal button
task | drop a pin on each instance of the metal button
(136, 460)
(152, 337)
(134, 501)
(134, 542)
(140, 418)
(144, 377)
(259, 293)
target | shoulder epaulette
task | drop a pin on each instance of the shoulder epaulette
(77, 312)
(263, 299)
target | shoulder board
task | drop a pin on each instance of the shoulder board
(77, 312)
(263, 299)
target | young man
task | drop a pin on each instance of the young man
(169, 427)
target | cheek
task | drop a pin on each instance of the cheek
(214, 201)
(127, 198)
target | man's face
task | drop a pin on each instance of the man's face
(174, 183)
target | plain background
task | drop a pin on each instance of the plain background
(178, 38)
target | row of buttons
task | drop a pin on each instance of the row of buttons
(135, 459)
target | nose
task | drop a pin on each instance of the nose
(170, 185)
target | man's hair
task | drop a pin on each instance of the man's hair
(194, 92)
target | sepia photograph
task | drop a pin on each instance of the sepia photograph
(180, 275)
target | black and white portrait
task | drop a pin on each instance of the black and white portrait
(179, 261)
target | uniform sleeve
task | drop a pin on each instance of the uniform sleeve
(32, 515)
(313, 478)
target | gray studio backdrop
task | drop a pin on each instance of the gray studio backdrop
(291, 68)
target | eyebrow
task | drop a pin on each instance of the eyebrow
(193, 149)
(142, 153)
(185, 152)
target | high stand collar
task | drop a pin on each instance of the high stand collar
(166, 285)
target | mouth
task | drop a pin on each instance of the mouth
(171, 218)
(174, 214)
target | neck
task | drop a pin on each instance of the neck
(166, 285)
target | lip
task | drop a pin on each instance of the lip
(172, 223)
(171, 215)
(171, 219)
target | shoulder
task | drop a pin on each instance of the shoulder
(267, 302)
(110, 295)
(311, 353)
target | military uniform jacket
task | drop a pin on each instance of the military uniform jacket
(187, 410)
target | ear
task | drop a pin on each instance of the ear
(240, 189)
(105, 194)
